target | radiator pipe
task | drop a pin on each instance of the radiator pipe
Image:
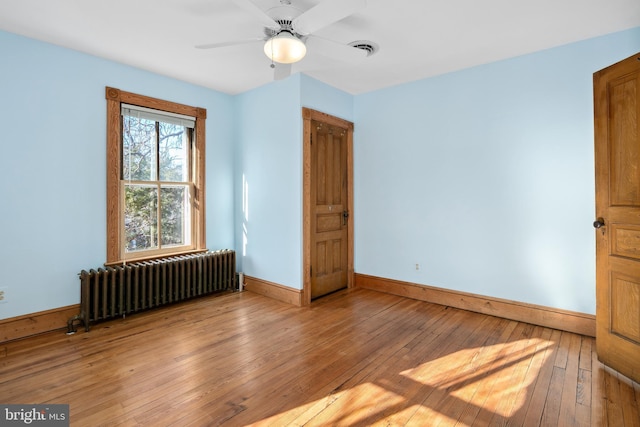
(71, 328)
(240, 282)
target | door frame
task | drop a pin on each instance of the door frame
(307, 116)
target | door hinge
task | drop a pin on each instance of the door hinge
(310, 271)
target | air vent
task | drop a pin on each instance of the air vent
(285, 25)
(369, 47)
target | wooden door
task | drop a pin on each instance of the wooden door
(328, 195)
(617, 160)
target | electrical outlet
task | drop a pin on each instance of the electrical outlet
(3, 295)
(417, 266)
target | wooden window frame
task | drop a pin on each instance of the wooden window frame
(115, 200)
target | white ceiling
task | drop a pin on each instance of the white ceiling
(416, 38)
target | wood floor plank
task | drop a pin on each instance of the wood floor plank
(487, 365)
(569, 398)
(538, 397)
(469, 368)
(628, 402)
(615, 414)
(524, 370)
(439, 377)
(562, 354)
(583, 393)
(585, 379)
(539, 343)
(585, 353)
(507, 364)
(598, 392)
(583, 399)
(356, 357)
(551, 412)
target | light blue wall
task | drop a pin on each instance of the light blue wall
(327, 99)
(485, 177)
(268, 165)
(52, 213)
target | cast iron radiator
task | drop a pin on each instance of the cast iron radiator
(115, 291)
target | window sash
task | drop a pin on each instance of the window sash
(158, 166)
(158, 116)
(159, 248)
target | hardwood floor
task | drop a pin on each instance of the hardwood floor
(353, 358)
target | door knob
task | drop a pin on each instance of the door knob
(598, 223)
(345, 215)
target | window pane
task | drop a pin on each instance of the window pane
(138, 149)
(175, 215)
(173, 153)
(141, 217)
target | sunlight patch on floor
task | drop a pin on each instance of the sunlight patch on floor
(347, 407)
(462, 373)
(484, 383)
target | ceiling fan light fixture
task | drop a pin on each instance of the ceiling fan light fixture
(285, 48)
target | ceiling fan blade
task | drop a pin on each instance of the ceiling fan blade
(326, 13)
(252, 8)
(282, 71)
(335, 50)
(229, 43)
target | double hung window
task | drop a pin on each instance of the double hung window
(155, 178)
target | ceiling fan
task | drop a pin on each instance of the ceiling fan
(288, 32)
